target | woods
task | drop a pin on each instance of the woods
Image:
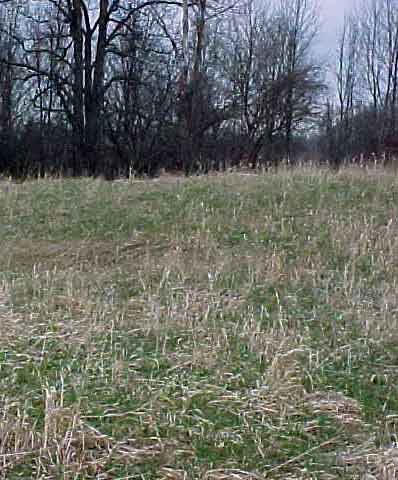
(361, 124)
(114, 87)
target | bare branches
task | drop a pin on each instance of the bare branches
(168, 82)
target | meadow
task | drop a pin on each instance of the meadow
(232, 326)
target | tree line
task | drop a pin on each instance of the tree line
(360, 123)
(130, 87)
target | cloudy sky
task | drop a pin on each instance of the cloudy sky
(332, 12)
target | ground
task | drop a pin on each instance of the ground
(224, 327)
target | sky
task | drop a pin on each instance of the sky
(332, 19)
(332, 12)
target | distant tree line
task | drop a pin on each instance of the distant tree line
(360, 124)
(122, 87)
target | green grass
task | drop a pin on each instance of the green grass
(235, 326)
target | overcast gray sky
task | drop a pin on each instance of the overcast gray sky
(332, 12)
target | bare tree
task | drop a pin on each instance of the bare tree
(275, 79)
(196, 115)
(301, 19)
(347, 88)
(10, 90)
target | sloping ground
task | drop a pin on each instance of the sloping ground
(227, 327)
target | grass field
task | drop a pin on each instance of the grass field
(226, 327)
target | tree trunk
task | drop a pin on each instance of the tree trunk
(96, 103)
(78, 114)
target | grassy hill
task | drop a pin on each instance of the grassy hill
(226, 327)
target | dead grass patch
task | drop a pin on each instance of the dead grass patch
(346, 411)
(67, 445)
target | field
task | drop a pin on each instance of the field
(225, 327)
